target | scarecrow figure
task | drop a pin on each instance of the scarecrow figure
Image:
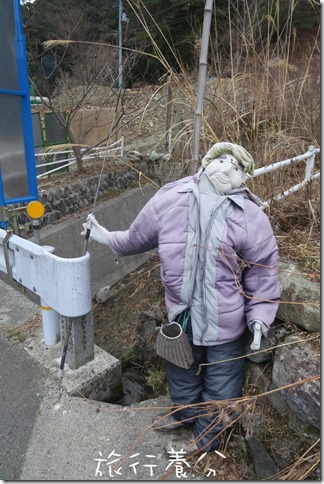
(218, 259)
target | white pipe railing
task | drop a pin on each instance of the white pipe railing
(99, 151)
(309, 176)
(104, 151)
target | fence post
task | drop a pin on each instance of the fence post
(310, 163)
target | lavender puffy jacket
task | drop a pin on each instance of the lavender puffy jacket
(227, 275)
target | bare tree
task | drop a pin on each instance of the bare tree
(88, 84)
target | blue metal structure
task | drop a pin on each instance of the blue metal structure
(18, 182)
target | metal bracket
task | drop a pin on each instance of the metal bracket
(6, 253)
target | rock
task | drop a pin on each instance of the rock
(103, 294)
(167, 157)
(275, 335)
(266, 344)
(155, 313)
(294, 363)
(305, 431)
(150, 320)
(264, 467)
(154, 156)
(296, 288)
(133, 388)
(257, 377)
(261, 381)
(284, 452)
(145, 348)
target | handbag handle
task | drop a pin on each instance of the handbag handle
(185, 321)
(184, 316)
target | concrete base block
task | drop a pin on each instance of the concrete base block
(99, 379)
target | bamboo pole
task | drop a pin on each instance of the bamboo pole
(202, 81)
(168, 117)
(120, 44)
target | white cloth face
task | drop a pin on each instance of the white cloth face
(225, 172)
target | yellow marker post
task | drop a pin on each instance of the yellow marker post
(35, 210)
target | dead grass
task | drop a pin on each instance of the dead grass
(25, 330)
(296, 223)
(117, 321)
(305, 467)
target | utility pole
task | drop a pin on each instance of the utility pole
(120, 41)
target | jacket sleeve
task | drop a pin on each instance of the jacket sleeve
(141, 236)
(260, 279)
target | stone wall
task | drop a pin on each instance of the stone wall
(136, 170)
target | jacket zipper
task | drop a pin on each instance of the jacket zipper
(209, 229)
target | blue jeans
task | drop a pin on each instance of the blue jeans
(220, 381)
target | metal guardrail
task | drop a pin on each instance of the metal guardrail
(309, 156)
(97, 152)
(64, 283)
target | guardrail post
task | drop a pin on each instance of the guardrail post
(81, 341)
(50, 317)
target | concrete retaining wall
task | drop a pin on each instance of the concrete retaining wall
(114, 214)
(67, 199)
(70, 197)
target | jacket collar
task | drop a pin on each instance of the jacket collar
(236, 196)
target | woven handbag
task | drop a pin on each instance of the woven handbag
(173, 344)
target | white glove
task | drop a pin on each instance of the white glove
(258, 328)
(97, 232)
